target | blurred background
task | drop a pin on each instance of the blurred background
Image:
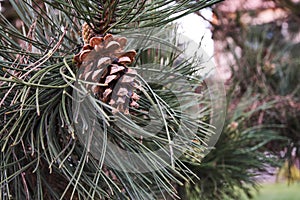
(256, 47)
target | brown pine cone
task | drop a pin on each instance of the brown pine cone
(103, 61)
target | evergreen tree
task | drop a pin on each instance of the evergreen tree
(72, 87)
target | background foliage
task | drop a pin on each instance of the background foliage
(262, 55)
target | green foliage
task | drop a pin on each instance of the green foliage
(130, 14)
(41, 156)
(232, 167)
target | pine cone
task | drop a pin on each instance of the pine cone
(103, 61)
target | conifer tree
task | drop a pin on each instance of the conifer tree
(83, 81)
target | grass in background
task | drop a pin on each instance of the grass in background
(273, 191)
(279, 191)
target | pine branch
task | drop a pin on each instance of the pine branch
(42, 153)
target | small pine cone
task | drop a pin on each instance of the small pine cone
(103, 61)
(101, 22)
(87, 33)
